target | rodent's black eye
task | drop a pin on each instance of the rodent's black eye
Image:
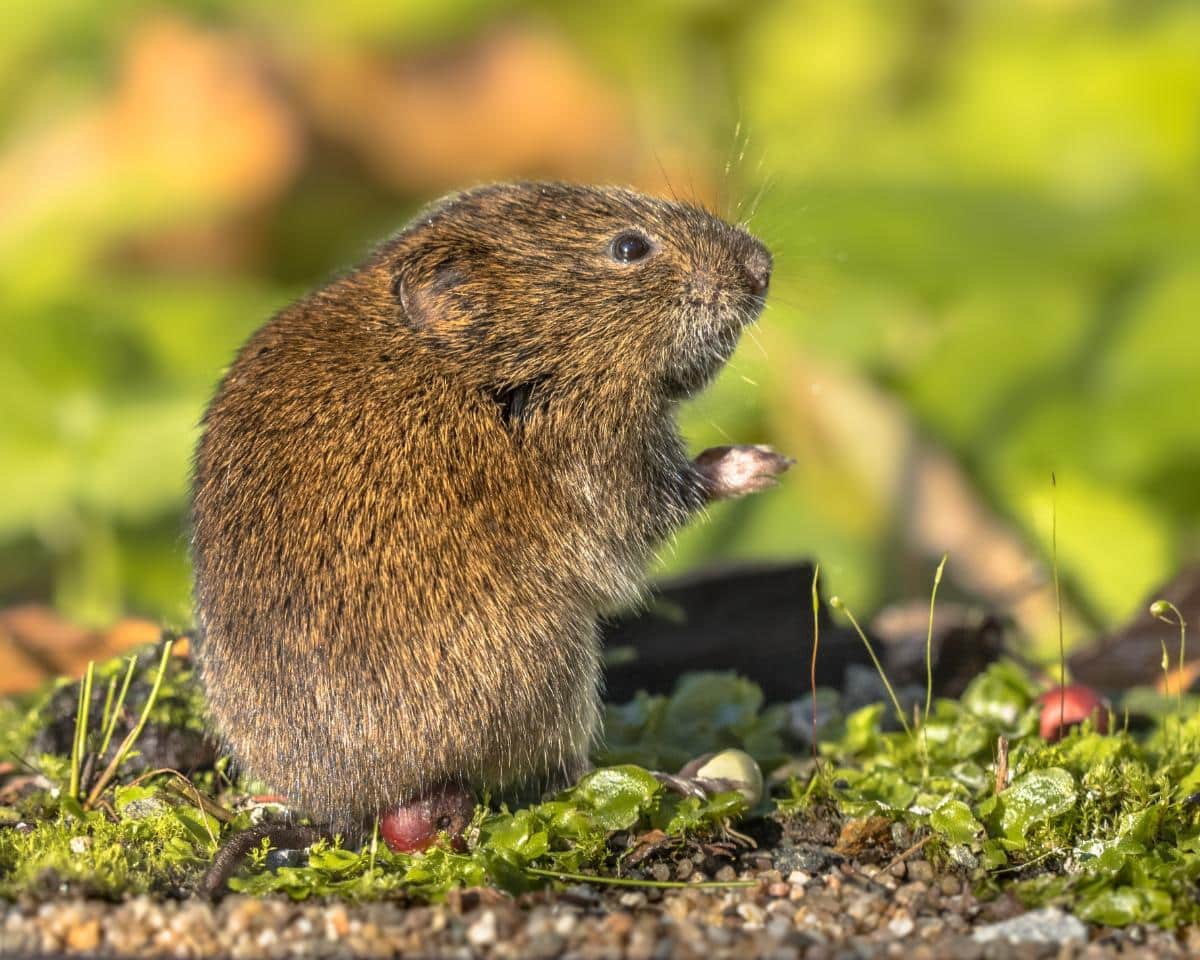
(629, 247)
(443, 822)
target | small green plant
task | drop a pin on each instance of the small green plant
(1062, 647)
(1159, 610)
(82, 757)
(131, 738)
(1107, 824)
(937, 582)
(837, 604)
(79, 746)
(565, 839)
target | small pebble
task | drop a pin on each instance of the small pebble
(1048, 925)
(619, 923)
(950, 886)
(837, 912)
(285, 858)
(85, 937)
(752, 913)
(564, 925)
(482, 932)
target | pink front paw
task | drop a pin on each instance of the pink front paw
(738, 470)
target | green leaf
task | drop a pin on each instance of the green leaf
(126, 795)
(706, 713)
(1124, 905)
(1037, 797)
(954, 821)
(618, 796)
(1000, 695)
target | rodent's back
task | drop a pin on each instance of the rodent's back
(409, 505)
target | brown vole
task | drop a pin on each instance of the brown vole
(419, 485)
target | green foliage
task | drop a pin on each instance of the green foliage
(1105, 823)
(160, 843)
(706, 712)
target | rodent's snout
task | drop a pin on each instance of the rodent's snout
(756, 265)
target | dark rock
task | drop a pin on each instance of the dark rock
(754, 620)
(286, 858)
(965, 640)
(789, 857)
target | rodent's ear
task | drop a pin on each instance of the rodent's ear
(421, 289)
(412, 307)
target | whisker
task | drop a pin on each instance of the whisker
(765, 184)
(720, 430)
(666, 179)
(730, 160)
(758, 343)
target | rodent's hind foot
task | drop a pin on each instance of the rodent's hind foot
(409, 828)
(414, 826)
(734, 471)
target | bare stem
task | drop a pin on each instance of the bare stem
(81, 728)
(816, 607)
(836, 603)
(1062, 649)
(111, 717)
(630, 882)
(1159, 610)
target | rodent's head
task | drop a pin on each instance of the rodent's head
(571, 286)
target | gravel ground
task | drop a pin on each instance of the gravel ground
(843, 911)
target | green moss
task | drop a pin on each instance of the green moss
(92, 855)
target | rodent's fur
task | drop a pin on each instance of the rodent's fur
(418, 485)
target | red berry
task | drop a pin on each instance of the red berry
(407, 829)
(1065, 707)
(416, 825)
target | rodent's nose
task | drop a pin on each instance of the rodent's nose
(756, 265)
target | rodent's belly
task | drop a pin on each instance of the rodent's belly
(353, 727)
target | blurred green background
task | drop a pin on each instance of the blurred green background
(986, 219)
